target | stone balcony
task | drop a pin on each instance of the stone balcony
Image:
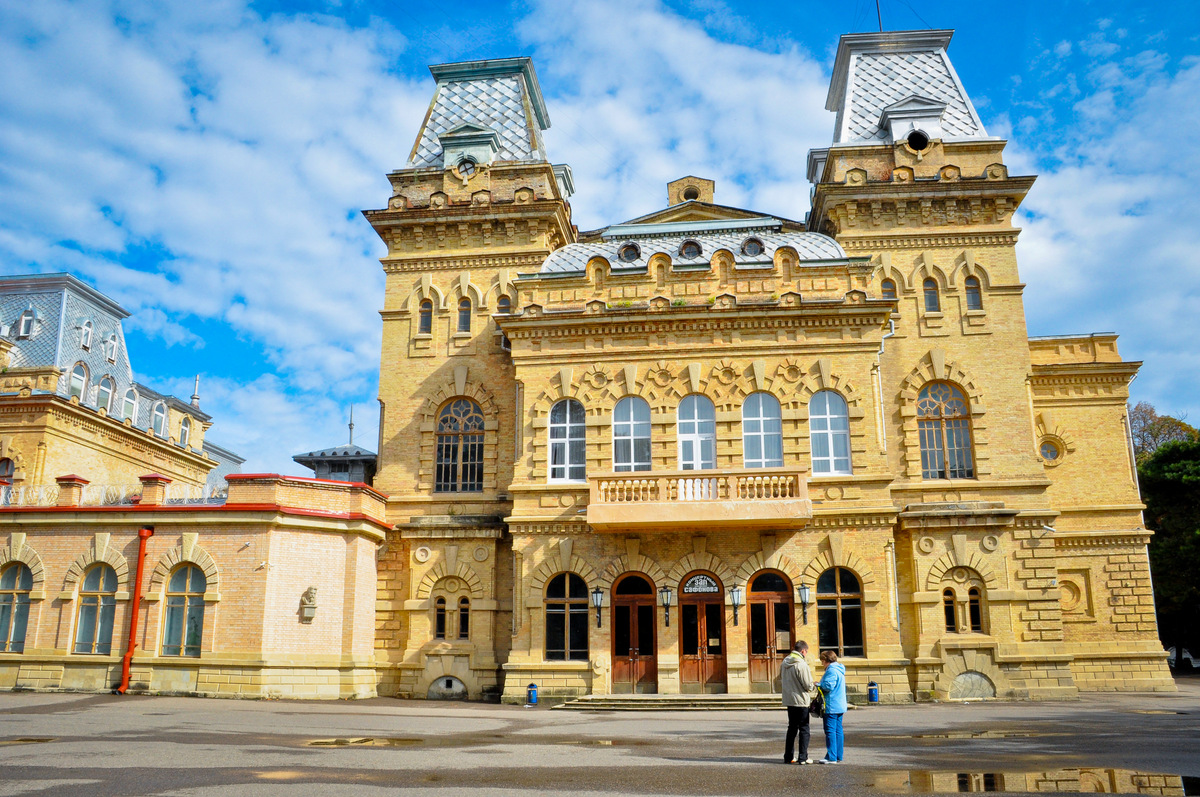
(748, 498)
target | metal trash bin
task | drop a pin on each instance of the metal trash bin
(872, 692)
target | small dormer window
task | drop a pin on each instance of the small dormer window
(110, 348)
(918, 141)
(79, 380)
(629, 253)
(185, 431)
(752, 247)
(691, 193)
(690, 250)
(85, 335)
(159, 420)
(25, 325)
(466, 167)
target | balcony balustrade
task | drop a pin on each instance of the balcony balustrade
(677, 500)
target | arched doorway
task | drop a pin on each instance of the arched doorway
(772, 615)
(635, 648)
(701, 634)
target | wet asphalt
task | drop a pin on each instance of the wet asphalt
(98, 745)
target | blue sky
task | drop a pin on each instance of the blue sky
(204, 163)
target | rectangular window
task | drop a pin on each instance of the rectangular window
(94, 635)
(183, 625)
(958, 449)
(556, 631)
(933, 462)
(14, 615)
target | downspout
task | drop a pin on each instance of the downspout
(143, 535)
(879, 384)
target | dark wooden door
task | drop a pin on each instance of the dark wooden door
(635, 648)
(772, 616)
(702, 644)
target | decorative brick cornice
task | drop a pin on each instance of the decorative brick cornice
(925, 239)
(1103, 539)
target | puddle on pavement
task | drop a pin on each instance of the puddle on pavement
(971, 735)
(25, 740)
(1082, 779)
(1154, 711)
(367, 741)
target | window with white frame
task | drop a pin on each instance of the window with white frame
(104, 395)
(79, 380)
(129, 405)
(25, 325)
(185, 431)
(568, 442)
(829, 433)
(110, 348)
(697, 433)
(158, 421)
(97, 608)
(631, 434)
(183, 623)
(85, 335)
(762, 432)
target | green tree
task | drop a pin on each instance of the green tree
(1170, 482)
(1151, 430)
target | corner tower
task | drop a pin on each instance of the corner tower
(477, 202)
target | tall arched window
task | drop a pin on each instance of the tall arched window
(697, 433)
(974, 295)
(185, 431)
(79, 380)
(503, 304)
(840, 612)
(933, 303)
(129, 405)
(97, 606)
(183, 624)
(762, 432)
(158, 421)
(16, 582)
(829, 432)
(949, 611)
(887, 289)
(464, 618)
(110, 348)
(425, 318)
(459, 448)
(104, 395)
(944, 425)
(631, 434)
(439, 618)
(568, 442)
(975, 609)
(566, 618)
(85, 335)
(464, 315)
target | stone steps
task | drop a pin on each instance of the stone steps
(674, 703)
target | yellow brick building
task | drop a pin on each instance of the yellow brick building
(647, 458)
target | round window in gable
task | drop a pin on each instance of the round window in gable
(629, 253)
(1050, 451)
(752, 247)
(466, 167)
(691, 193)
(918, 141)
(690, 250)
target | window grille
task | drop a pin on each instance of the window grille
(566, 618)
(840, 612)
(97, 608)
(459, 448)
(183, 624)
(944, 427)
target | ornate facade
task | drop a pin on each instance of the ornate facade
(647, 458)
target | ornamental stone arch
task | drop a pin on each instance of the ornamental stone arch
(884, 270)
(440, 572)
(18, 551)
(966, 666)
(1049, 429)
(9, 451)
(976, 567)
(461, 387)
(934, 367)
(187, 552)
(422, 290)
(463, 288)
(849, 560)
(632, 563)
(503, 286)
(732, 382)
(561, 562)
(700, 560)
(100, 552)
(924, 268)
(965, 266)
(764, 560)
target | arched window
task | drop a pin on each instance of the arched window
(974, 295)
(129, 405)
(631, 434)
(948, 610)
(85, 335)
(887, 289)
(185, 431)
(944, 426)
(503, 304)
(566, 618)
(79, 380)
(829, 432)
(104, 395)
(464, 315)
(459, 448)
(425, 318)
(697, 433)
(840, 612)
(7, 469)
(762, 432)
(933, 303)
(568, 442)
(439, 611)
(159, 419)
(975, 609)
(464, 618)
(97, 606)
(183, 625)
(16, 581)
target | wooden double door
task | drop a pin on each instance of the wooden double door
(772, 629)
(635, 643)
(702, 635)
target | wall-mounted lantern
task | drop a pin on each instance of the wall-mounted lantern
(308, 605)
(736, 597)
(597, 599)
(664, 599)
(805, 596)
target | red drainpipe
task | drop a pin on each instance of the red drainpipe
(143, 535)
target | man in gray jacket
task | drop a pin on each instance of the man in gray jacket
(798, 692)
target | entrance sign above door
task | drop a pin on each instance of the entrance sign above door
(700, 584)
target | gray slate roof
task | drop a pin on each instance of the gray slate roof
(337, 452)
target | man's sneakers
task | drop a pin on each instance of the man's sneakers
(805, 761)
(825, 761)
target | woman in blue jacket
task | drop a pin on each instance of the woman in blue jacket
(833, 686)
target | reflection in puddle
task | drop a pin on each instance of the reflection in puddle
(24, 740)
(972, 735)
(366, 741)
(1110, 781)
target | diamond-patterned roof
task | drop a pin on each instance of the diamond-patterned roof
(495, 102)
(882, 79)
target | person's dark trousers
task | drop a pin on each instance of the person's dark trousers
(797, 723)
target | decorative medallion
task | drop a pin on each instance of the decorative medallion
(925, 545)
(834, 493)
(481, 554)
(422, 554)
(450, 584)
(990, 543)
(1071, 595)
(960, 574)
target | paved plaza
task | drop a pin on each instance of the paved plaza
(95, 745)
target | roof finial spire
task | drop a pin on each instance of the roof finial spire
(196, 392)
(351, 424)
